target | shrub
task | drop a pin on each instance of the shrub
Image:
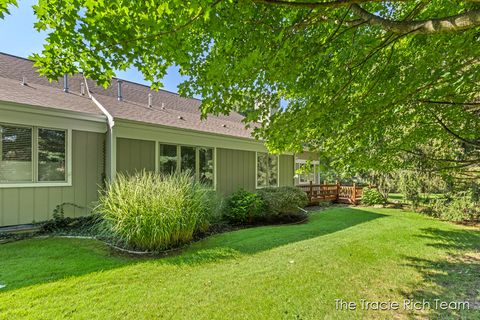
(68, 225)
(284, 203)
(243, 207)
(409, 186)
(372, 196)
(151, 211)
(459, 207)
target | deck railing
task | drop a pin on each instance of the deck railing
(332, 192)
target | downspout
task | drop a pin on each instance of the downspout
(110, 156)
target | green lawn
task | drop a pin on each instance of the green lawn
(278, 272)
(398, 197)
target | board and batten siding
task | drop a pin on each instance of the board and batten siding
(33, 204)
(287, 170)
(135, 155)
(235, 170)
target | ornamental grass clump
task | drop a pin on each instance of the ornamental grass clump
(151, 211)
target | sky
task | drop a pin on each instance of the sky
(18, 37)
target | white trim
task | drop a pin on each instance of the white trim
(69, 157)
(174, 135)
(35, 185)
(305, 161)
(256, 170)
(215, 173)
(278, 170)
(179, 156)
(197, 164)
(49, 117)
(315, 174)
(157, 156)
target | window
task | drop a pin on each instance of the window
(199, 161)
(267, 170)
(188, 161)
(313, 175)
(16, 154)
(168, 158)
(32, 155)
(51, 155)
(304, 177)
(206, 166)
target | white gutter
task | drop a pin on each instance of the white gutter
(111, 145)
(110, 119)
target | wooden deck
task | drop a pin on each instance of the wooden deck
(332, 192)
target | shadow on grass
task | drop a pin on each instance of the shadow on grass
(250, 241)
(31, 262)
(452, 239)
(455, 278)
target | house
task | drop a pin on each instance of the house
(60, 142)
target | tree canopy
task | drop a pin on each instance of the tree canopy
(371, 84)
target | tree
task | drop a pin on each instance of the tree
(4, 7)
(369, 83)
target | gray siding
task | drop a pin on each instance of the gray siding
(135, 155)
(27, 205)
(308, 155)
(235, 170)
(287, 170)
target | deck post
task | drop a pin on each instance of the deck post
(354, 193)
(310, 194)
(338, 190)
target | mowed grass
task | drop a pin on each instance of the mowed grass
(278, 272)
(425, 197)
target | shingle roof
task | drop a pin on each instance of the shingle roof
(38, 91)
(167, 109)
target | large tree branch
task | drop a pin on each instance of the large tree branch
(320, 4)
(454, 134)
(452, 103)
(463, 21)
(425, 156)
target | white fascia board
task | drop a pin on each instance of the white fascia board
(165, 134)
(16, 113)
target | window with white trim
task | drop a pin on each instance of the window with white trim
(199, 161)
(267, 170)
(313, 174)
(31, 154)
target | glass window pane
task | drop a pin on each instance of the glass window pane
(187, 159)
(51, 155)
(16, 154)
(168, 158)
(262, 169)
(306, 177)
(272, 170)
(206, 166)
